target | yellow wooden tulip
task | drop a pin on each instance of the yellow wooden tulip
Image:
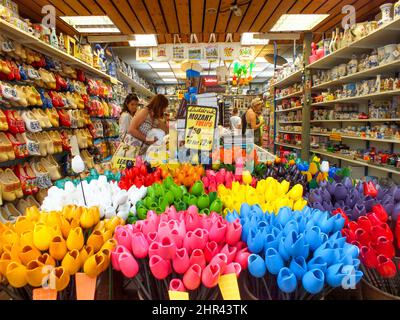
(9, 237)
(42, 236)
(23, 224)
(28, 253)
(34, 273)
(68, 212)
(4, 262)
(299, 204)
(53, 219)
(47, 260)
(93, 265)
(58, 247)
(75, 239)
(16, 274)
(110, 244)
(86, 252)
(296, 192)
(87, 219)
(95, 212)
(72, 262)
(60, 278)
(32, 213)
(96, 240)
(65, 226)
(26, 238)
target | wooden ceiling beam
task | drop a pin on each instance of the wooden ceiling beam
(283, 7)
(156, 16)
(79, 8)
(115, 16)
(93, 7)
(168, 8)
(251, 14)
(129, 16)
(210, 18)
(63, 7)
(223, 17)
(196, 15)
(235, 21)
(182, 9)
(141, 12)
(264, 15)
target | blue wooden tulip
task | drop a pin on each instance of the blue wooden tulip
(245, 209)
(335, 275)
(356, 263)
(291, 225)
(284, 215)
(351, 250)
(256, 266)
(338, 239)
(313, 281)
(271, 241)
(294, 243)
(317, 263)
(281, 249)
(273, 261)
(257, 210)
(298, 266)
(287, 281)
(313, 237)
(339, 222)
(301, 223)
(326, 223)
(263, 226)
(255, 240)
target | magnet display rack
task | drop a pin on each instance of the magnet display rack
(386, 34)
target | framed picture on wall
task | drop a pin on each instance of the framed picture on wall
(144, 54)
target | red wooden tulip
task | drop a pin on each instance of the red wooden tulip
(154, 248)
(230, 252)
(374, 218)
(140, 246)
(176, 285)
(159, 267)
(380, 211)
(364, 223)
(167, 248)
(242, 258)
(233, 232)
(233, 267)
(386, 267)
(181, 262)
(362, 236)
(210, 250)
(197, 257)
(381, 230)
(127, 263)
(384, 247)
(118, 250)
(221, 259)
(397, 232)
(152, 237)
(210, 275)
(369, 189)
(217, 232)
(198, 239)
(192, 277)
(369, 257)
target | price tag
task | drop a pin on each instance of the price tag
(229, 287)
(178, 295)
(44, 294)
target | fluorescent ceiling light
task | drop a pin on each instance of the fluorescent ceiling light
(159, 65)
(298, 22)
(260, 60)
(144, 40)
(170, 80)
(91, 24)
(166, 74)
(248, 39)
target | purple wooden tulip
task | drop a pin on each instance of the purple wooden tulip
(340, 192)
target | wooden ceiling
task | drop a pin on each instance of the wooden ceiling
(184, 17)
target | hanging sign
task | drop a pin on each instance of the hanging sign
(246, 53)
(200, 127)
(194, 49)
(178, 52)
(162, 53)
(211, 52)
(144, 54)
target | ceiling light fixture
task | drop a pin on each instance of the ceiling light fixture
(91, 24)
(159, 65)
(166, 74)
(248, 39)
(298, 22)
(144, 40)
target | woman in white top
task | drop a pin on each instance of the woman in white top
(236, 122)
(128, 112)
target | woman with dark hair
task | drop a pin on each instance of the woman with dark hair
(150, 117)
(128, 112)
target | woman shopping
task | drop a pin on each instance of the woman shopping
(251, 120)
(128, 112)
(150, 117)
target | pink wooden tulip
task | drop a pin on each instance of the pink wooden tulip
(217, 232)
(242, 258)
(154, 249)
(118, 250)
(212, 187)
(214, 217)
(163, 217)
(182, 228)
(210, 250)
(210, 275)
(176, 237)
(206, 182)
(193, 210)
(230, 252)
(233, 232)
(206, 223)
(219, 178)
(221, 259)
(192, 277)
(171, 212)
(173, 224)
(181, 261)
(149, 226)
(167, 248)
(138, 226)
(152, 237)
(159, 267)
(127, 263)
(192, 221)
(240, 245)
(163, 229)
(176, 285)
(233, 267)
(140, 246)
(124, 238)
(186, 241)
(197, 257)
(153, 217)
(198, 239)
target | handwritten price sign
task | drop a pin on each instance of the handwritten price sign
(200, 127)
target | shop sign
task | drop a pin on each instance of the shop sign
(200, 127)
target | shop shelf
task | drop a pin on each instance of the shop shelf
(384, 35)
(293, 78)
(290, 109)
(34, 43)
(288, 145)
(358, 120)
(140, 88)
(359, 162)
(290, 122)
(27, 159)
(387, 68)
(290, 132)
(358, 99)
(294, 94)
(356, 137)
